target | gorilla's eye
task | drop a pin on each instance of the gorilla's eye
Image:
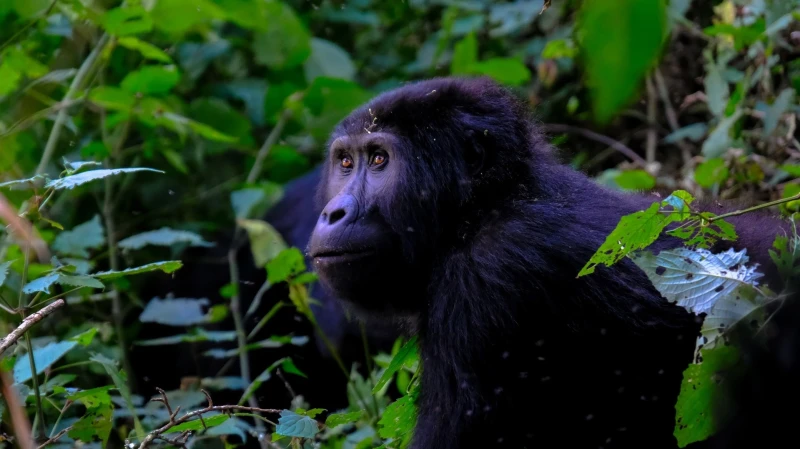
(378, 159)
(346, 162)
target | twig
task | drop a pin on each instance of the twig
(19, 420)
(619, 146)
(650, 146)
(672, 117)
(74, 87)
(27, 323)
(272, 138)
(755, 208)
(175, 421)
(55, 437)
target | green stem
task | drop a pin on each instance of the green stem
(75, 86)
(267, 146)
(755, 208)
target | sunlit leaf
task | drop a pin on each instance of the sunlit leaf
(152, 80)
(125, 21)
(146, 49)
(465, 55)
(337, 419)
(265, 242)
(112, 98)
(72, 181)
(166, 266)
(711, 172)
(179, 16)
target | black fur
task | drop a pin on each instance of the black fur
(489, 231)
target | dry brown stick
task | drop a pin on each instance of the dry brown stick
(27, 323)
(589, 134)
(19, 421)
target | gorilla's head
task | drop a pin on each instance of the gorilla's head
(406, 177)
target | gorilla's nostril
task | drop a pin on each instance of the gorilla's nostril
(336, 215)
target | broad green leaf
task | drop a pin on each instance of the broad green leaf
(4, 271)
(719, 140)
(509, 71)
(201, 129)
(152, 80)
(328, 59)
(292, 424)
(697, 279)
(198, 335)
(399, 418)
(85, 236)
(147, 50)
(120, 381)
(465, 55)
(112, 98)
(791, 169)
(163, 237)
(43, 357)
(265, 242)
(777, 109)
(635, 180)
(79, 281)
(638, 230)
(693, 132)
(28, 9)
(337, 419)
(287, 263)
(329, 100)
(179, 16)
(72, 181)
(126, 21)
(197, 424)
(85, 338)
(694, 410)
(406, 355)
(93, 397)
(175, 311)
(166, 266)
(219, 115)
(286, 43)
(97, 422)
(711, 172)
(620, 41)
(559, 48)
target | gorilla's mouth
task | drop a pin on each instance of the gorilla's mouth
(332, 256)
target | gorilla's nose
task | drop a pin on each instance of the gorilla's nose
(340, 211)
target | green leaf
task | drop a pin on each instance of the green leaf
(166, 266)
(620, 41)
(94, 397)
(72, 181)
(465, 55)
(180, 16)
(288, 366)
(329, 100)
(120, 381)
(85, 338)
(175, 311)
(163, 237)
(338, 419)
(694, 420)
(112, 98)
(509, 71)
(41, 284)
(313, 412)
(286, 43)
(43, 357)
(198, 335)
(76, 166)
(716, 89)
(791, 169)
(711, 172)
(197, 424)
(559, 48)
(693, 132)
(399, 418)
(126, 21)
(328, 59)
(79, 281)
(265, 242)
(97, 422)
(292, 424)
(200, 128)
(287, 263)
(719, 140)
(638, 230)
(4, 271)
(635, 180)
(777, 109)
(152, 80)
(147, 50)
(406, 355)
(77, 242)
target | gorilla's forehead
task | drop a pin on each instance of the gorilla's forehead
(362, 140)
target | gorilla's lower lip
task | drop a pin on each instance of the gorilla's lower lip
(342, 256)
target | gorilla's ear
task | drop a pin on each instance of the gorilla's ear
(474, 153)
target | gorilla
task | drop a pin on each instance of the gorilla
(443, 207)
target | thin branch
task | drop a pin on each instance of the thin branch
(672, 117)
(74, 87)
(27, 323)
(650, 146)
(755, 208)
(55, 437)
(19, 420)
(175, 421)
(267, 146)
(617, 145)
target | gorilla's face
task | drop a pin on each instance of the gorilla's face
(355, 251)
